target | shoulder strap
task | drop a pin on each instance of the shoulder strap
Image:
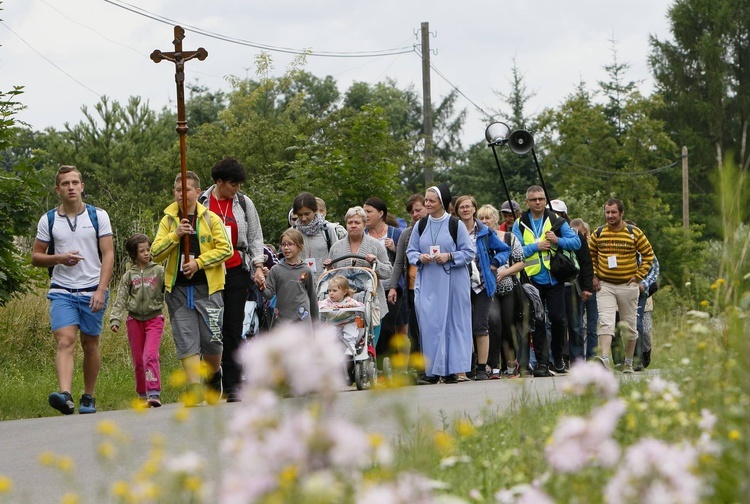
(421, 225)
(598, 231)
(508, 239)
(242, 202)
(51, 245)
(94, 218)
(453, 228)
(327, 233)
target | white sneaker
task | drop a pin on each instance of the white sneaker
(604, 361)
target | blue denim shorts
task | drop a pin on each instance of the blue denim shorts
(72, 309)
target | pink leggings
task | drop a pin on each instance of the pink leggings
(145, 338)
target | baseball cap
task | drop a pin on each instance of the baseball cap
(559, 206)
(505, 208)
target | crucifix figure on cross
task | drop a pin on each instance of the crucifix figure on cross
(179, 57)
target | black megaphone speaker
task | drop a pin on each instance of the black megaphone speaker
(520, 142)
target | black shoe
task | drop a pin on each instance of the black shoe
(559, 366)
(451, 378)
(481, 375)
(214, 387)
(233, 396)
(62, 402)
(541, 371)
(88, 405)
(427, 380)
(646, 359)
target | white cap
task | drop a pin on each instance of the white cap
(559, 206)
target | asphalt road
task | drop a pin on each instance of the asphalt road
(389, 412)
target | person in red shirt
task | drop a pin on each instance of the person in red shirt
(240, 217)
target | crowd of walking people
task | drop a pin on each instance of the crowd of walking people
(481, 293)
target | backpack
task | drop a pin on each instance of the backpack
(91, 209)
(563, 263)
(452, 227)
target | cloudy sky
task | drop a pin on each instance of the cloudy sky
(68, 53)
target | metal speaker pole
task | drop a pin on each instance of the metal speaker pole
(497, 134)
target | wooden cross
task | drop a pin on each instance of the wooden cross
(179, 57)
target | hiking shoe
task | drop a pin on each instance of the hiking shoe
(234, 396)
(88, 404)
(62, 402)
(646, 358)
(481, 375)
(511, 372)
(214, 388)
(541, 371)
(637, 367)
(154, 401)
(559, 366)
(627, 368)
(495, 374)
(604, 361)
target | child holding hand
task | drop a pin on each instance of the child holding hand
(292, 282)
(141, 295)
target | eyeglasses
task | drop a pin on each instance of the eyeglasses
(287, 245)
(534, 200)
(466, 207)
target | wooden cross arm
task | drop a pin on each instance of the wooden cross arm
(176, 57)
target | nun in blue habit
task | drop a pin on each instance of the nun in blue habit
(443, 287)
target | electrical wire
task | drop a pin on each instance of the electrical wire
(306, 52)
(480, 109)
(49, 60)
(627, 173)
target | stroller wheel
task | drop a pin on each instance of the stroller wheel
(358, 375)
(387, 369)
(373, 373)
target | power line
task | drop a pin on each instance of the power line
(627, 173)
(325, 54)
(50, 61)
(480, 109)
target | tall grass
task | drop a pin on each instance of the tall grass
(28, 362)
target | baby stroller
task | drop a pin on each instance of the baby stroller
(361, 366)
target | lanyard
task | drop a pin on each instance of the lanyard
(435, 234)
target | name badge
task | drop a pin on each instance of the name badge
(612, 262)
(434, 250)
(310, 261)
(228, 229)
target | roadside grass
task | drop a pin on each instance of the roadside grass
(28, 363)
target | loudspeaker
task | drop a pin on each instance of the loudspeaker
(520, 142)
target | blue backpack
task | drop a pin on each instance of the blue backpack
(91, 209)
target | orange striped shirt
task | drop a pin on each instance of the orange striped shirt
(624, 247)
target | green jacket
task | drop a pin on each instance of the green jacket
(140, 294)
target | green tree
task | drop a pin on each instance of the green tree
(703, 75)
(478, 174)
(19, 195)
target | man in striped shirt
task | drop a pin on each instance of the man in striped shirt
(617, 274)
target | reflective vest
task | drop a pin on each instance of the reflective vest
(533, 264)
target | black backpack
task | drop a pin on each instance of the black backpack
(452, 227)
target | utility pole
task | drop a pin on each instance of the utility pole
(685, 193)
(427, 106)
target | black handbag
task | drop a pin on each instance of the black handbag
(564, 267)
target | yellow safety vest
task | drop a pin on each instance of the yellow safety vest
(534, 262)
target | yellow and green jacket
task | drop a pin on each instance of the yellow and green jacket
(215, 246)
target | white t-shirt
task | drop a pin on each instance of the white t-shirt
(76, 234)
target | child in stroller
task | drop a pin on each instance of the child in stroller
(334, 307)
